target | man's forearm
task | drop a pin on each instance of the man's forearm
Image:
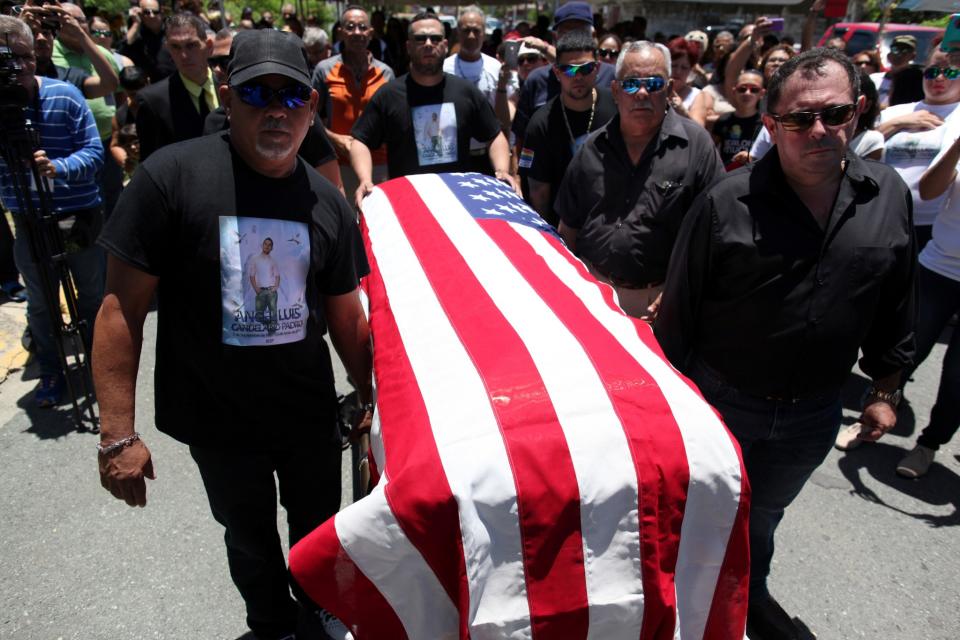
(109, 80)
(116, 358)
(500, 154)
(361, 161)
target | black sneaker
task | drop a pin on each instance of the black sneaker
(766, 620)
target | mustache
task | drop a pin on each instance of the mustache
(274, 124)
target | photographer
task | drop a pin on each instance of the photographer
(46, 24)
(69, 156)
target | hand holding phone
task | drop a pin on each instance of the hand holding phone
(510, 54)
(776, 24)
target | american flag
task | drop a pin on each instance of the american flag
(545, 472)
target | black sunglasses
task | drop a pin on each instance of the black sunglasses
(219, 61)
(803, 120)
(608, 53)
(434, 38)
(260, 96)
(150, 12)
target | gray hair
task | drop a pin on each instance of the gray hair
(13, 27)
(472, 9)
(314, 35)
(641, 46)
(725, 34)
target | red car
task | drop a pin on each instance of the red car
(863, 35)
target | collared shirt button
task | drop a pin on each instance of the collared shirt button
(619, 224)
(819, 282)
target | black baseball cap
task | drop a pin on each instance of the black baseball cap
(262, 52)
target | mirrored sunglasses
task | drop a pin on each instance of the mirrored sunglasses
(260, 96)
(803, 120)
(572, 70)
(652, 84)
(949, 73)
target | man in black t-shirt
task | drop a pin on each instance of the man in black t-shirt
(426, 117)
(556, 131)
(251, 395)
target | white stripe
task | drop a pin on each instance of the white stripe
(466, 432)
(371, 535)
(595, 437)
(713, 494)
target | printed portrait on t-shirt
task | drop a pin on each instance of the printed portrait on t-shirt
(435, 133)
(263, 280)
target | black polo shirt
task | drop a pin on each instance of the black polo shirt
(628, 216)
(778, 306)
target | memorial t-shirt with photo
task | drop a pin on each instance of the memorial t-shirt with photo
(243, 262)
(426, 129)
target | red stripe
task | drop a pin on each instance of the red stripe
(548, 506)
(728, 611)
(418, 493)
(655, 442)
(325, 572)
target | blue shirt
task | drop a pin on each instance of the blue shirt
(68, 134)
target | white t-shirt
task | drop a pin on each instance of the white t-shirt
(761, 145)
(485, 75)
(911, 152)
(688, 101)
(264, 269)
(866, 142)
(942, 253)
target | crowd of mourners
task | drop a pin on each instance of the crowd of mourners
(772, 208)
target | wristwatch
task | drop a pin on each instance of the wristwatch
(876, 395)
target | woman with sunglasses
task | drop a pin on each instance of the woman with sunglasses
(939, 292)
(914, 134)
(868, 62)
(609, 48)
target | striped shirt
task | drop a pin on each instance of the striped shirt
(69, 136)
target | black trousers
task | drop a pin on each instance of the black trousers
(243, 497)
(8, 270)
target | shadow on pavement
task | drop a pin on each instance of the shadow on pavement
(46, 423)
(940, 487)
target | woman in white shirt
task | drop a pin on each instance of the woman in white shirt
(914, 134)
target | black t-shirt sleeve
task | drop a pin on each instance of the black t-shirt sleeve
(138, 230)
(542, 165)
(346, 261)
(316, 148)
(486, 126)
(369, 127)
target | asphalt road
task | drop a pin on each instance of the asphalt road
(861, 554)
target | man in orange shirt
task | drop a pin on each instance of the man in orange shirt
(346, 83)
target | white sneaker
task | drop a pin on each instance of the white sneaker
(332, 626)
(917, 462)
(847, 437)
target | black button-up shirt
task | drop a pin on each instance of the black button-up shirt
(628, 216)
(778, 306)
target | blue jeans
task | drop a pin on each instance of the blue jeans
(87, 269)
(939, 300)
(782, 443)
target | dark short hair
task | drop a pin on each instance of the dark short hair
(186, 20)
(576, 41)
(132, 78)
(810, 63)
(423, 15)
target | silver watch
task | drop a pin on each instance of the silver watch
(890, 397)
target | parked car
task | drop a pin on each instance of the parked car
(861, 36)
